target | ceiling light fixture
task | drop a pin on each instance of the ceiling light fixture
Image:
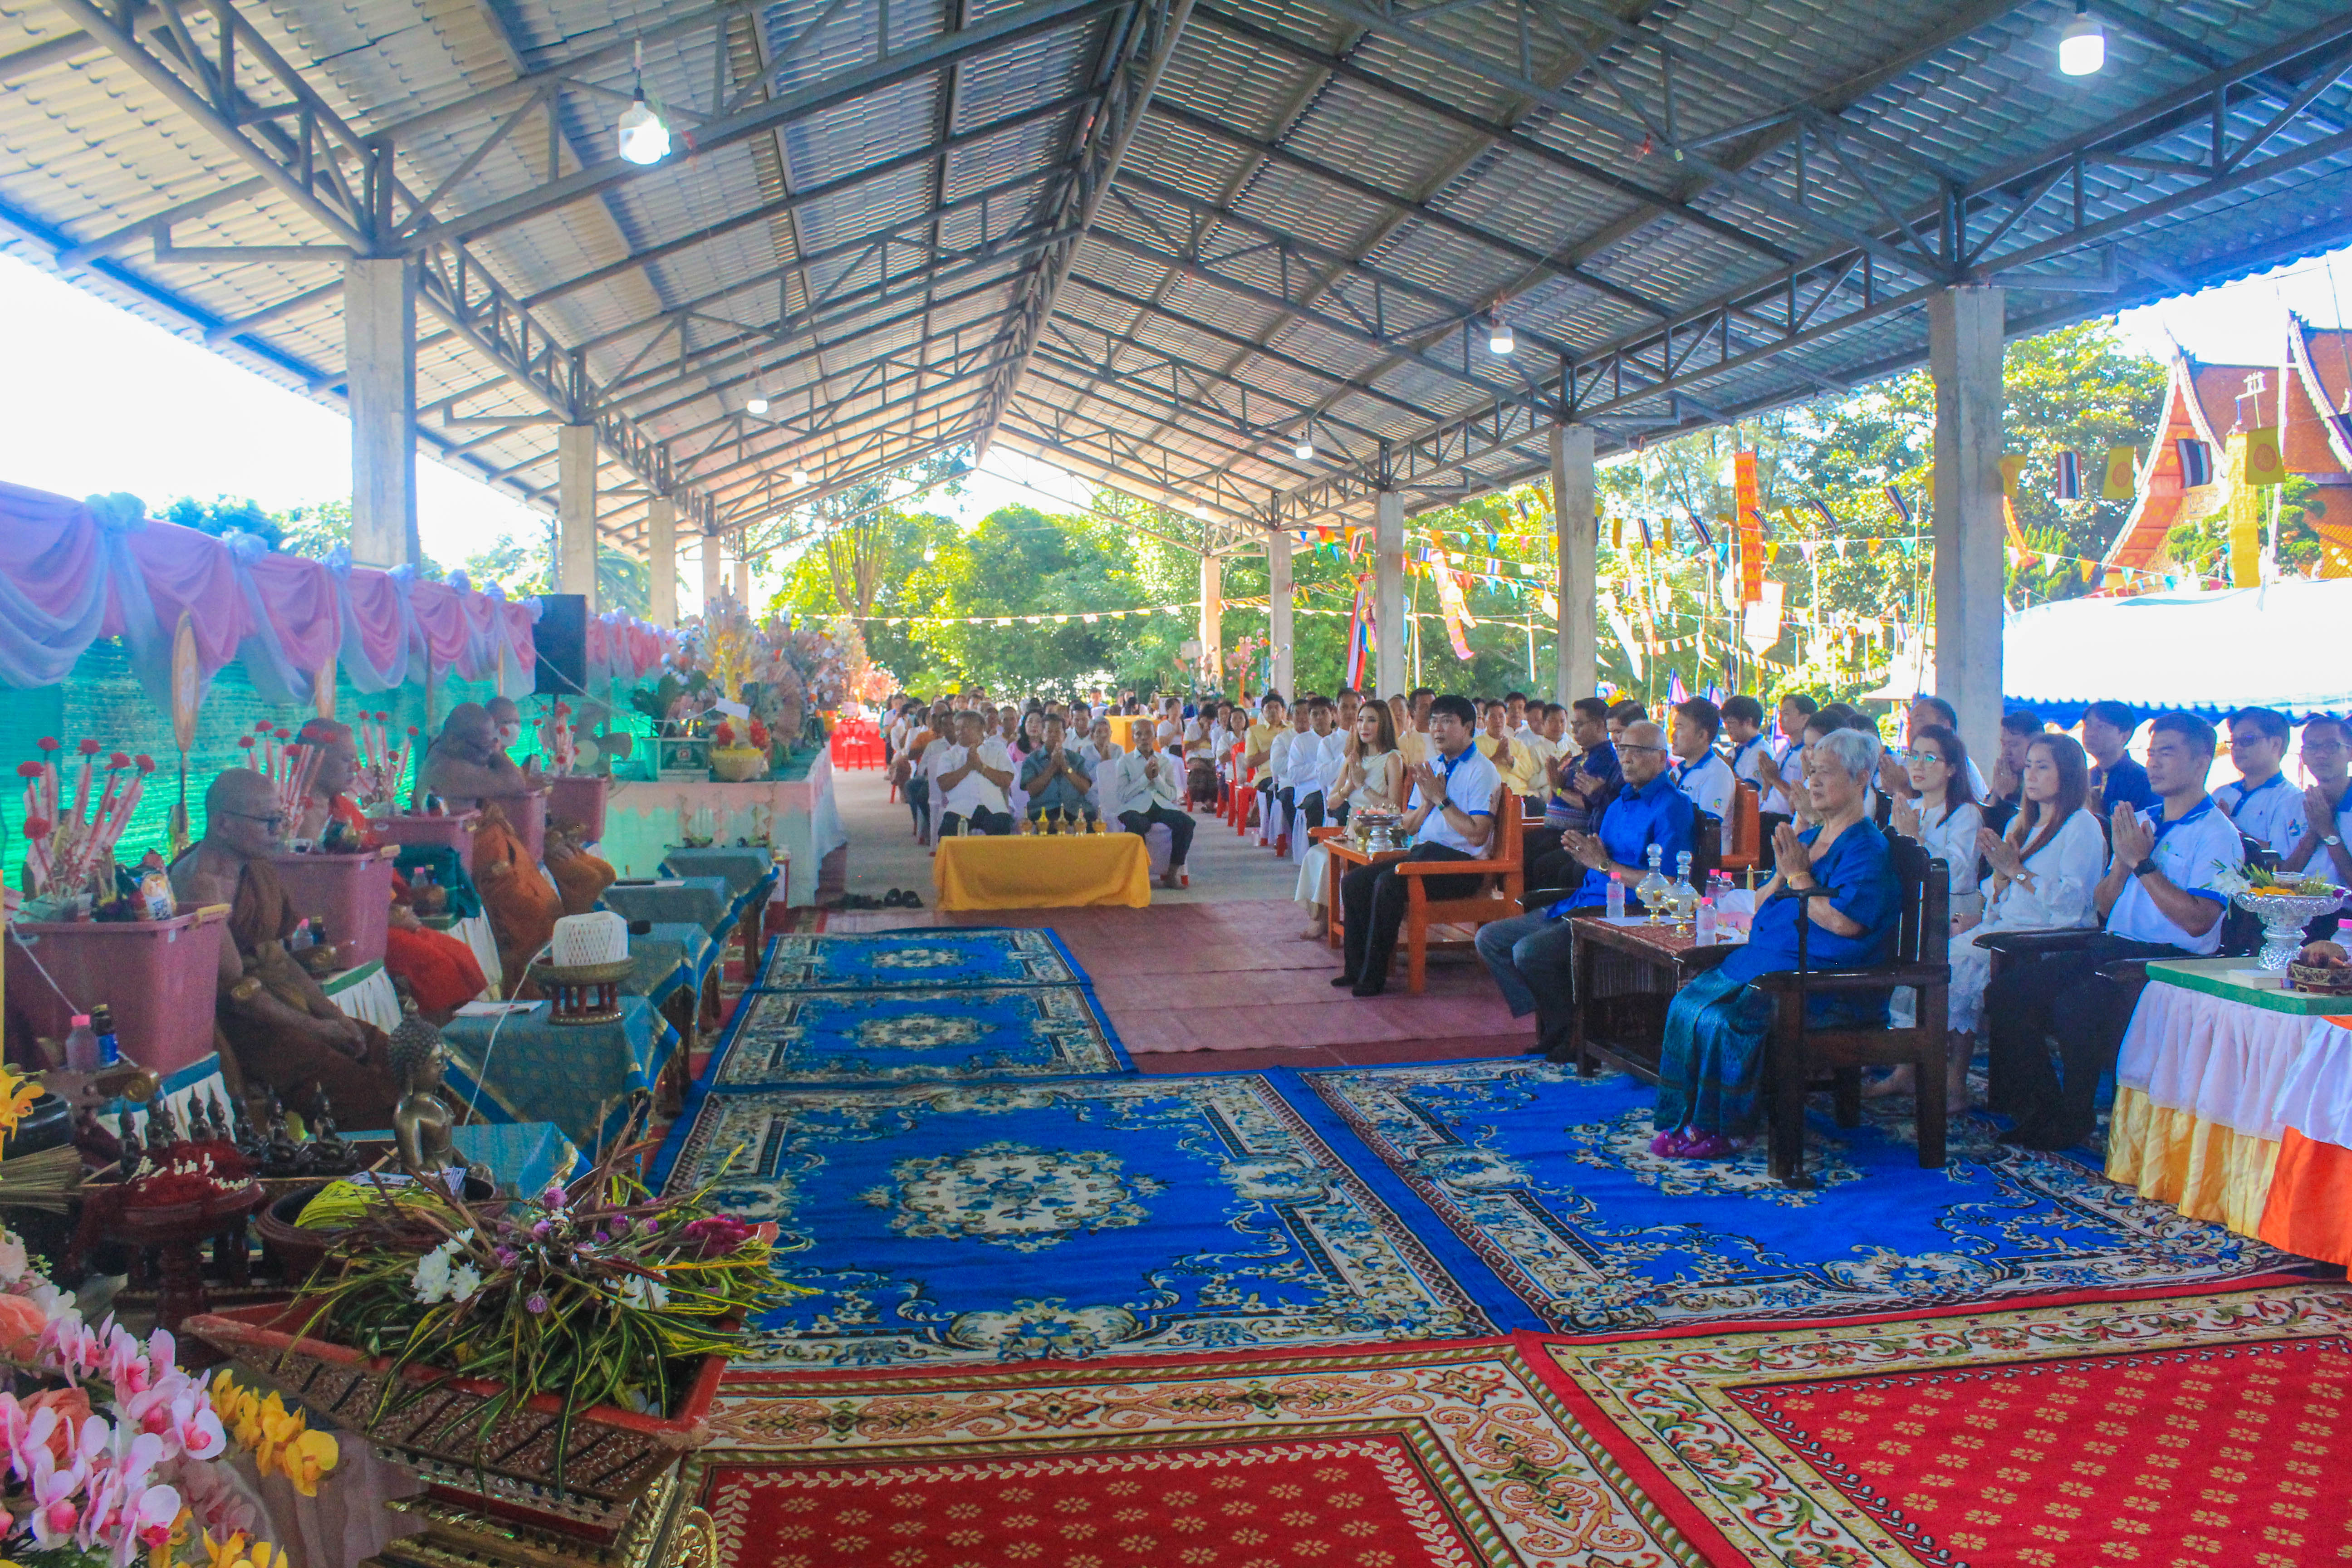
(1304, 449)
(644, 138)
(800, 476)
(756, 405)
(1499, 334)
(2083, 46)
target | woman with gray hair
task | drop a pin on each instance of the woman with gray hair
(1839, 876)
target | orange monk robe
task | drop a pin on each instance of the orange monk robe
(439, 970)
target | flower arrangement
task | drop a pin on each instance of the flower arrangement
(111, 1450)
(68, 849)
(754, 737)
(270, 751)
(2255, 882)
(598, 1293)
(384, 762)
(555, 735)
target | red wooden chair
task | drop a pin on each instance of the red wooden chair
(1747, 851)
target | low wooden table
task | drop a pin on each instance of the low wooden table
(1340, 855)
(1626, 977)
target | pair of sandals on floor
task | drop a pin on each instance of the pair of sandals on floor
(896, 899)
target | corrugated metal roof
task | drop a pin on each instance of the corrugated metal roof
(1301, 232)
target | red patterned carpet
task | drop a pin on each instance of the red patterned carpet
(1433, 1454)
(2212, 1432)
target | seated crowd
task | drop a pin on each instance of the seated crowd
(2070, 834)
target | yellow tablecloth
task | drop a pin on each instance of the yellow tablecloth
(1040, 871)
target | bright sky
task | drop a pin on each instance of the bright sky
(102, 401)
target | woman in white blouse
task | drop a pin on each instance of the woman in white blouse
(2045, 874)
(1945, 819)
(1371, 779)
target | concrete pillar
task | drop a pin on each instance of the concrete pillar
(575, 511)
(1388, 592)
(1964, 357)
(713, 575)
(1213, 620)
(380, 377)
(743, 584)
(1278, 613)
(661, 561)
(1577, 656)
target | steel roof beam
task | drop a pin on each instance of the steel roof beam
(1206, 383)
(992, 32)
(1534, 261)
(737, 495)
(1498, 134)
(1241, 449)
(814, 388)
(852, 427)
(1131, 75)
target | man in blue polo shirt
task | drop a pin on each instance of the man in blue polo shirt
(1530, 954)
(2108, 730)
(1450, 815)
(2160, 901)
(2260, 801)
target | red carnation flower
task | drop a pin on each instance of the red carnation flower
(88, 748)
(263, 727)
(145, 763)
(119, 760)
(30, 770)
(47, 743)
(36, 828)
(283, 734)
(245, 742)
(412, 729)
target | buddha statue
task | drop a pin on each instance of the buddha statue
(421, 1119)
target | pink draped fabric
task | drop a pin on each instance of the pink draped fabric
(71, 571)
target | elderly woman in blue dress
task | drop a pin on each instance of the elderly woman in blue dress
(1711, 1070)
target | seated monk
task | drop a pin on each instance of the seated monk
(440, 970)
(580, 877)
(274, 1026)
(465, 766)
(522, 904)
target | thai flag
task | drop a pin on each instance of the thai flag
(2070, 477)
(2196, 462)
(1827, 516)
(1675, 691)
(1902, 508)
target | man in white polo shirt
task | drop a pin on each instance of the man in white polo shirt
(2160, 901)
(1698, 769)
(2259, 800)
(972, 780)
(1150, 787)
(1450, 815)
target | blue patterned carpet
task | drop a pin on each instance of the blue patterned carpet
(960, 1223)
(925, 960)
(1549, 1178)
(969, 1032)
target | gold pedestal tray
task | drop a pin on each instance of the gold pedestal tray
(666, 1529)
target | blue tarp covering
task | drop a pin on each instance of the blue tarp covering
(2283, 647)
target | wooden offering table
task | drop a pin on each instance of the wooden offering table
(1627, 973)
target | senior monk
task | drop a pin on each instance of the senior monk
(441, 971)
(273, 1023)
(465, 766)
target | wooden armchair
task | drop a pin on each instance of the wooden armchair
(1747, 851)
(2242, 935)
(1802, 1057)
(1502, 881)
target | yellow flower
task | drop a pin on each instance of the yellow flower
(280, 1427)
(236, 1552)
(16, 1097)
(309, 1459)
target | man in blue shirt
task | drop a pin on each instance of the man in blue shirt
(2260, 801)
(2160, 901)
(1531, 955)
(1451, 816)
(1581, 785)
(2108, 730)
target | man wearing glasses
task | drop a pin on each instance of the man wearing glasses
(1530, 954)
(283, 1032)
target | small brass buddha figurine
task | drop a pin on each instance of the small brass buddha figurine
(422, 1120)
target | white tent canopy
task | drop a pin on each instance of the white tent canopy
(2281, 647)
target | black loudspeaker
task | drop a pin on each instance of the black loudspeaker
(562, 641)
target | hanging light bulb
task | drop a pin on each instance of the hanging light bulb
(1304, 449)
(1499, 334)
(645, 139)
(800, 476)
(2083, 46)
(756, 405)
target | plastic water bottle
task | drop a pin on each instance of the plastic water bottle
(1705, 931)
(101, 1024)
(82, 1046)
(1616, 897)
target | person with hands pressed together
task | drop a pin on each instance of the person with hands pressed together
(2260, 800)
(1054, 777)
(1451, 815)
(1838, 879)
(2320, 834)
(973, 777)
(1150, 790)
(2116, 780)
(2159, 901)
(1531, 955)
